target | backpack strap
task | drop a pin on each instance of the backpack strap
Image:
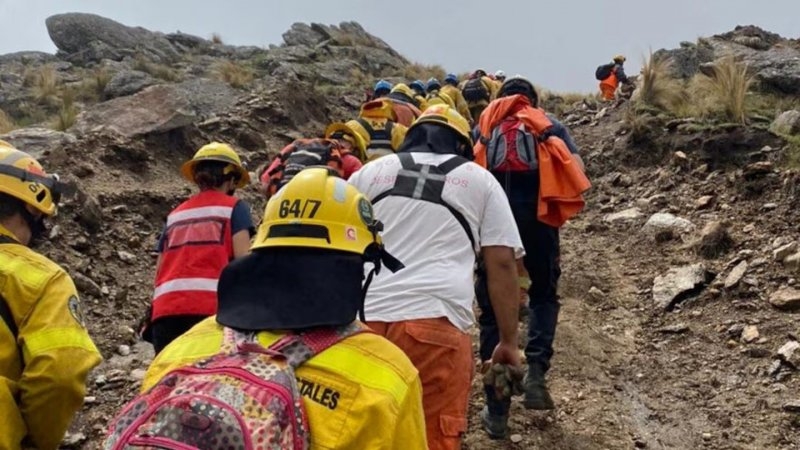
(299, 348)
(423, 187)
(381, 139)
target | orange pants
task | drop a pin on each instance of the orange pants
(443, 356)
(608, 91)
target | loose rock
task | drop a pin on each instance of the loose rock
(625, 215)
(785, 298)
(677, 284)
(736, 275)
(750, 334)
(789, 355)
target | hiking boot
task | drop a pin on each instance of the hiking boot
(495, 426)
(536, 394)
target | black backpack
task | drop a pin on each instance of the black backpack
(304, 153)
(380, 139)
(604, 71)
(474, 91)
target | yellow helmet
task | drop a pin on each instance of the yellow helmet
(441, 99)
(619, 59)
(22, 177)
(320, 210)
(217, 151)
(338, 129)
(449, 117)
(403, 89)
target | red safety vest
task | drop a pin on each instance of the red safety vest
(198, 244)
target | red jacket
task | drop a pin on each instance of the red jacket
(197, 245)
(561, 182)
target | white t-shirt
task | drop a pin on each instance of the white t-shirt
(437, 280)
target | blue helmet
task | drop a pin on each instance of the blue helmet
(418, 86)
(383, 85)
(433, 84)
(451, 78)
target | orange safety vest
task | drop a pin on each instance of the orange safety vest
(198, 244)
(611, 81)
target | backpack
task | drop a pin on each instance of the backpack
(380, 139)
(426, 182)
(511, 148)
(245, 394)
(604, 71)
(475, 91)
(304, 153)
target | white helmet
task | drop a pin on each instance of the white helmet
(500, 75)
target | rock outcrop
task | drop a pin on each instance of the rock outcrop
(85, 37)
(775, 61)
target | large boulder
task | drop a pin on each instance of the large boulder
(38, 141)
(787, 123)
(159, 109)
(89, 37)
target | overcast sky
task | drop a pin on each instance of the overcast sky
(557, 43)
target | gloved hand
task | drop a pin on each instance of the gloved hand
(506, 379)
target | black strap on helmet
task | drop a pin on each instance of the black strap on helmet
(51, 182)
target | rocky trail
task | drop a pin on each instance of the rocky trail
(678, 326)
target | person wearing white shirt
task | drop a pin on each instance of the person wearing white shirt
(441, 211)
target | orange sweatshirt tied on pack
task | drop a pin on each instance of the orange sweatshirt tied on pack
(561, 181)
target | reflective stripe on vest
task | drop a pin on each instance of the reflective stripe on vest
(186, 284)
(199, 213)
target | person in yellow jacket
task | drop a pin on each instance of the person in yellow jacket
(479, 90)
(45, 351)
(418, 86)
(377, 125)
(450, 88)
(308, 261)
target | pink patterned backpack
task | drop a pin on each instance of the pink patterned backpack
(244, 398)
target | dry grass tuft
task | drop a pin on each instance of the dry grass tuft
(657, 88)
(727, 89)
(159, 71)
(235, 74)
(68, 113)
(216, 38)
(6, 123)
(44, 83)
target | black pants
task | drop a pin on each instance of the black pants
(167, 329)
(542, 261)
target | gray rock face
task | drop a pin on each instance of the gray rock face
(38, 141)
(159, 109)
(787, 123)
(127, 82)
(88, 37)
(673, 286)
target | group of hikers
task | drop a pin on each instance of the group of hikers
(342, 321)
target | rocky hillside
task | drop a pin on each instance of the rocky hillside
(680, 286)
